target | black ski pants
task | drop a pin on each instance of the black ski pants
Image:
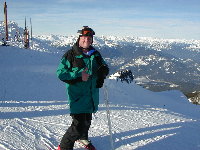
(78, 130)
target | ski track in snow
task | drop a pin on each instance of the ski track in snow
(133, 126)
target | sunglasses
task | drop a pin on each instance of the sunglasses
(87, 32)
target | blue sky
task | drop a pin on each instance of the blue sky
(139, 18)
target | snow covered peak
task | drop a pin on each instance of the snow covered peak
(106, 41)
(13, 29)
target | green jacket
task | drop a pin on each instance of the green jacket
(83, 96)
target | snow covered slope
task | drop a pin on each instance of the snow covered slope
(28, 74)
(34, 113)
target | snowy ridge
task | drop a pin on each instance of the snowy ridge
(110, 41)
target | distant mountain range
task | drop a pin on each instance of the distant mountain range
(157, 64)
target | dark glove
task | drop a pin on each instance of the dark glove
(100, 82)
(102, 72)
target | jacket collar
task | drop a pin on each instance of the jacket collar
(78, 51)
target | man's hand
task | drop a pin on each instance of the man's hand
(102, 72)
(85, 76)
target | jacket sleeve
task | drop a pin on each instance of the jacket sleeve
(65, 73)
(103, 69)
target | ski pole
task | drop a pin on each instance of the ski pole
(108, 115)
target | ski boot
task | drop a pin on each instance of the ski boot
(58, 147)
(86, 144)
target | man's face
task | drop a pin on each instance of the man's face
(85, 41)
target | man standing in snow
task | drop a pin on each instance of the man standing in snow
(83, 70)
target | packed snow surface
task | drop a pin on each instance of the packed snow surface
(34, 113)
